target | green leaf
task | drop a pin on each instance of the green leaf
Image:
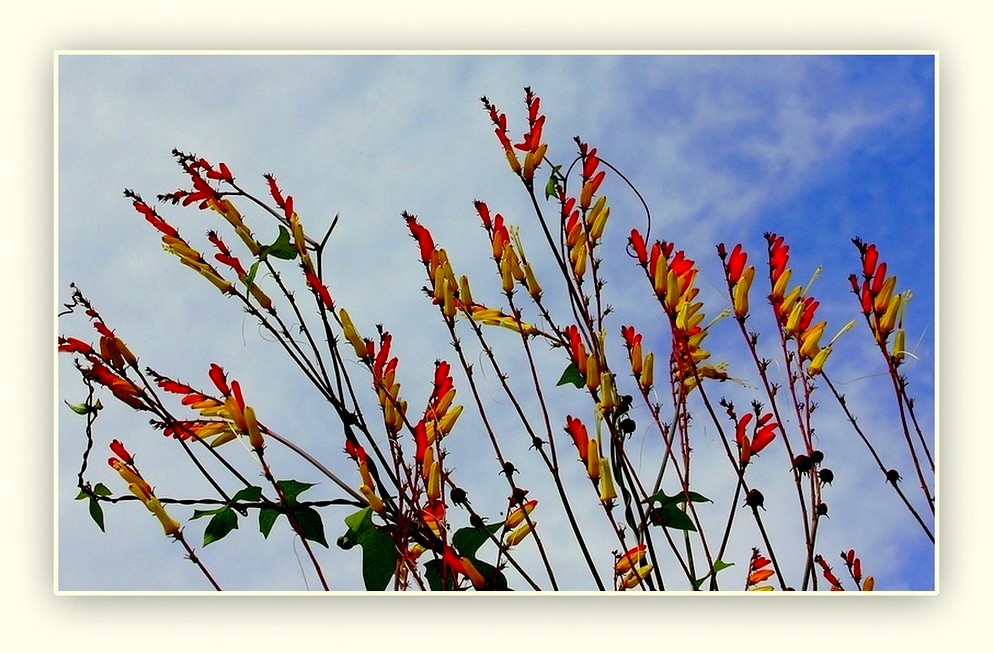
(379, 554)
(252, 493)
(283, 247)
(671, 516)
(99, 489)
(468, 540)
(572, 375)
(432, 572)
(96, 512)
(292, 489)
(550, 186)
(220, 525)
(197, 514)
(84, 408)
(356, 520)
(252, 271)
(495, 580)
(310, 524)
(267, 517)
(719, 565)
(665, 500)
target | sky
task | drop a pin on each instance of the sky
(818, 149)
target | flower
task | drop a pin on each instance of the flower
(629, 560)
(518, 514)
(141, 489)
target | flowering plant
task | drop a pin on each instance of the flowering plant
(419, 522)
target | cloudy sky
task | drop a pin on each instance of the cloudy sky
(723, 148)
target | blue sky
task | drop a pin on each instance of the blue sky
(816, 148)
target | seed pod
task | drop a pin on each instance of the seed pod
(754, 499)
(826, 476)
(802, 463)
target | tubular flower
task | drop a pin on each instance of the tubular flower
(151, 215)
(75, 346)
(632, 341)
(320, 290)
(387, 388)
(637, 243)
(141, 489)
(254, 432)
(494, 317)
(518, 515)
(763, 433)
(629, 560)
(224, 255)
(607, 491)
(500, 121)
(647, 379)
(828, 574)
(440, 415)
(636, 576)
(353, 337)
(372, 499)
(580, 438)
(118, 448)
(739, 278)
(516, 536)
(673, 276)
(882, 306)
(122, 388)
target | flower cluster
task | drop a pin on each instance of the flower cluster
(881, 305)
(531, 145)
(231, 415)
(139, 487)
(758, 572)
(673, 275)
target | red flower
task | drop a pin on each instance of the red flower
(355, 452)
(580, 437)
(422, 236)
(121, 452)
(224, 254)
(484, 213)
(736, 264)
(75, 346)
(222, 173)
(778, 256)
(217, 375)
(152, 217)
(322, 291)
(638, 244)
(869, 262)
(631, 337)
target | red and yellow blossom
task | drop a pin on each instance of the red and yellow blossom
(882, 306)
(629, 560)
(520, 514)
(673, 275)
(534, 150)
(387, 387)
(635, 577)
(141, 489)
(762, 434)
(758, 572)
(739, 277)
